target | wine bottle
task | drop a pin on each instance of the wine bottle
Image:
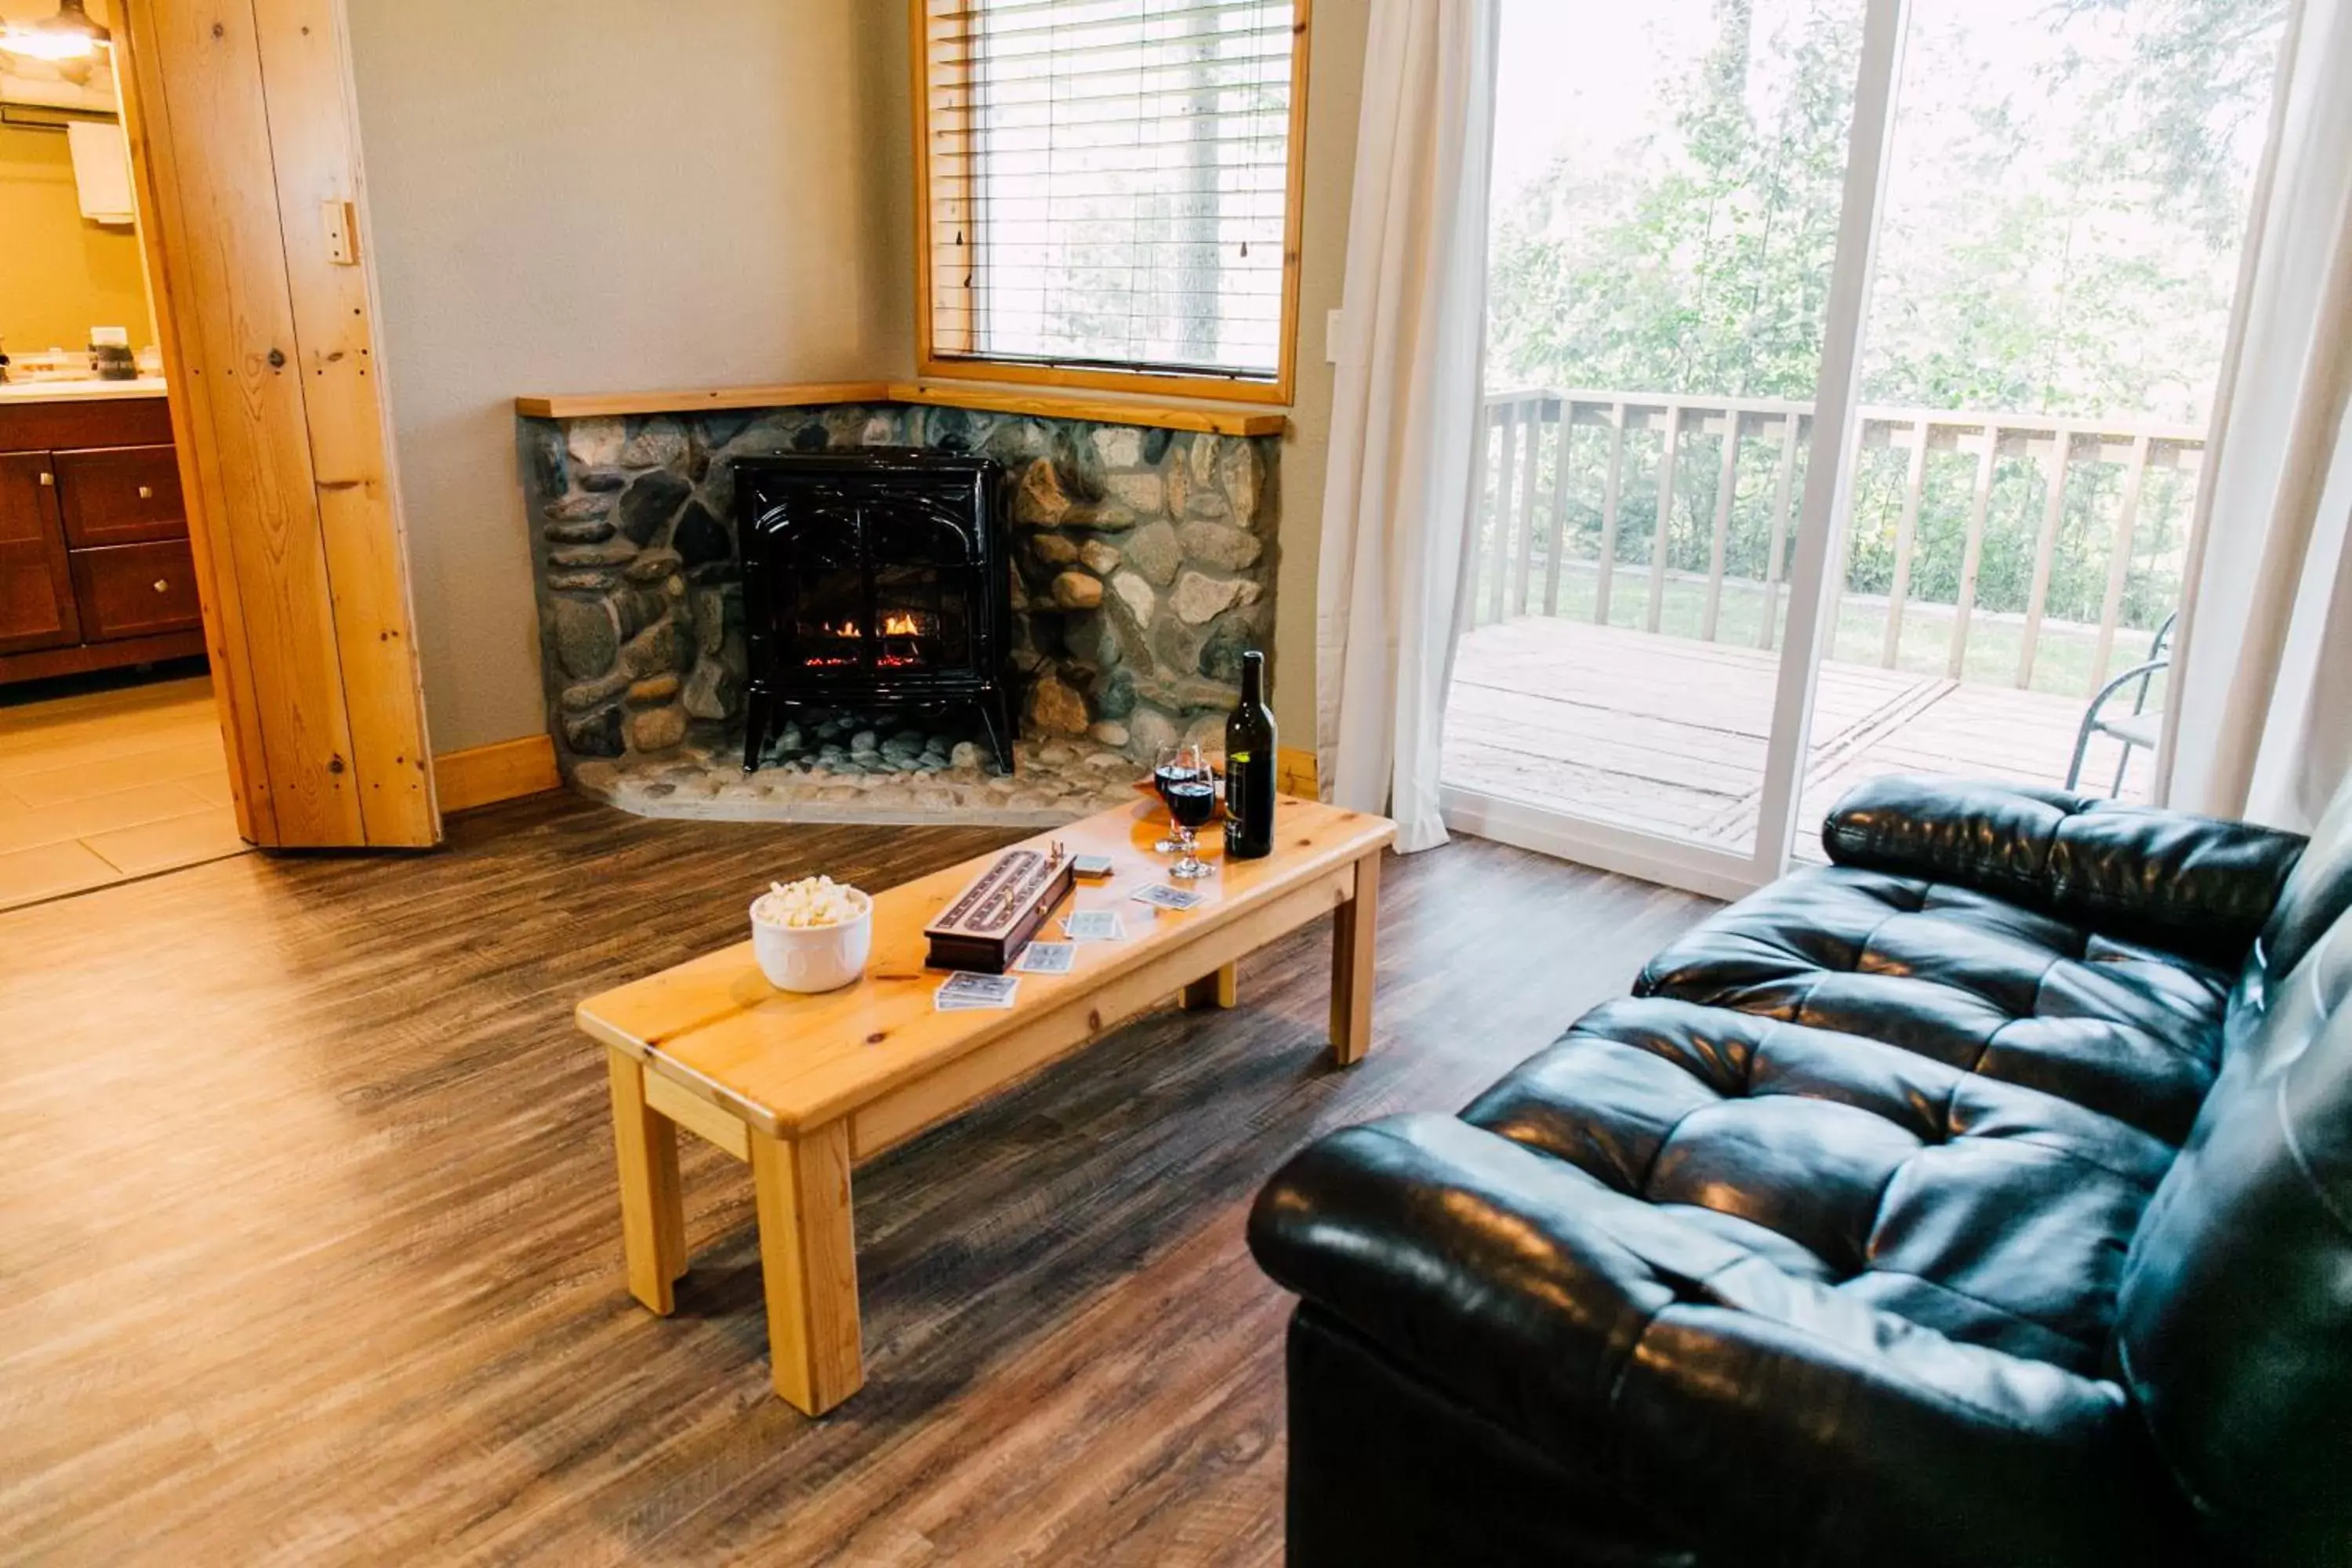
(1249, 767)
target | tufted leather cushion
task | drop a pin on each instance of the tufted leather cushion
(1966, 980)
(1995, 1214)
(2194, 885)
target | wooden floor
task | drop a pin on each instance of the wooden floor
(110, 785)
(1668, 734)
(309, 1254)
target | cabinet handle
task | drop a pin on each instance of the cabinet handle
(47, 477)
(146, 492)
(162, 586)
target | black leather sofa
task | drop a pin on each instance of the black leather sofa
(1985, 1197)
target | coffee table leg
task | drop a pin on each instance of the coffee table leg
(653, 1211)
(808, 1259)
(1353, 927)
(1219, 988)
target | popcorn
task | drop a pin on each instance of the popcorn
(811, 901)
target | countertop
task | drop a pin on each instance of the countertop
(79, 390)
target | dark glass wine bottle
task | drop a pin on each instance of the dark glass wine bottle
(1249, 767)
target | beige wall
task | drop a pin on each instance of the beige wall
(607, 194)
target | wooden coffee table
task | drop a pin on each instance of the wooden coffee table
(801, 1088)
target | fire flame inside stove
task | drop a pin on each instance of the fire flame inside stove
(895, 625)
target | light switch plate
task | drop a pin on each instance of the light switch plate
(1335, 322)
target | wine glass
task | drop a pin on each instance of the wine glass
(1191, 797)
(1174, 763)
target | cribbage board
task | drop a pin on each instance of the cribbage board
(986, 925)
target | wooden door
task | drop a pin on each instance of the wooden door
(37, 602)
(244, 139)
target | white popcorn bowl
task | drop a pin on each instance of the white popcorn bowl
(813, 958)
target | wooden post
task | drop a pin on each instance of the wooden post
(1783, 488)
(1972, 554)
(1665, 517)
(808, 1262)
(1557, 546)
(1726, 480)
(2045, 550)
(1915, 482)
(1606, 564)
(2119, 563)
(1498, 541)
(1526, 526)
(652, 1209)
(1353, 930)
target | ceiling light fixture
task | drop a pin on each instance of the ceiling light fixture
(69, 35)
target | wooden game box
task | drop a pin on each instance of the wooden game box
(986, 925)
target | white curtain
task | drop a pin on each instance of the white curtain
(2260, 721)
(1405, 408)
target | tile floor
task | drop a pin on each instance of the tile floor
(103, 787)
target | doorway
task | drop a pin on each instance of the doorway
(1849, 367)
(245, 174)
(113, 763)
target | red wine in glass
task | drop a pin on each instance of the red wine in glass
(1190, 803)
(1176, 763)
(1170, 776)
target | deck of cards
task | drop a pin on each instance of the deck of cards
(965, 992)
(1166, 898)
(1046, 958)
(1094, 925)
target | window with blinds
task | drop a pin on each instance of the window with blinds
(1109, 189)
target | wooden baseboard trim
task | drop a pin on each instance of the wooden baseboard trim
(83, 658)
(1295, 773)
(504, 770)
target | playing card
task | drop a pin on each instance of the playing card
(966, 990)
(1093, 925)
(1168, 898)
(1045, 958)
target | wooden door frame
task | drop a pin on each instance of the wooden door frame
(368, 689)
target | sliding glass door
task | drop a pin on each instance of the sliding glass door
(1848, 365)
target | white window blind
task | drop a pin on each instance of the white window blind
(1109, 182)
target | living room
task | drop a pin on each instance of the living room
(1205, 782)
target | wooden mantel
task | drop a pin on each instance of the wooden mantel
(1102, 408)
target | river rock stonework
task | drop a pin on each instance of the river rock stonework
(1142, 563)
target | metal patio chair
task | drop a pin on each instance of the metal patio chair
(2138, 728)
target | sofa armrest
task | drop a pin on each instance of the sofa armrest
(1752, 1411)
(2196, 885)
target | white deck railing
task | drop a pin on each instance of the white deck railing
(1523, 535)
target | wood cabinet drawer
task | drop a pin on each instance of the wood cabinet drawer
(36, 600)
(136, 590)
(120, 495)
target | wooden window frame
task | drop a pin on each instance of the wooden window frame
(930, 363)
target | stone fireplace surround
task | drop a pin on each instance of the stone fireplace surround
(1142, 562)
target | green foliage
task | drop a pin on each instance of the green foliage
(2059, 238)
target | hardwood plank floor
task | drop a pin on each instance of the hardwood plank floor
(310, 1247)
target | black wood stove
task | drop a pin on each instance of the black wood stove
(874, 577)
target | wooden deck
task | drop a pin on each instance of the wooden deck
(1668, 733)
